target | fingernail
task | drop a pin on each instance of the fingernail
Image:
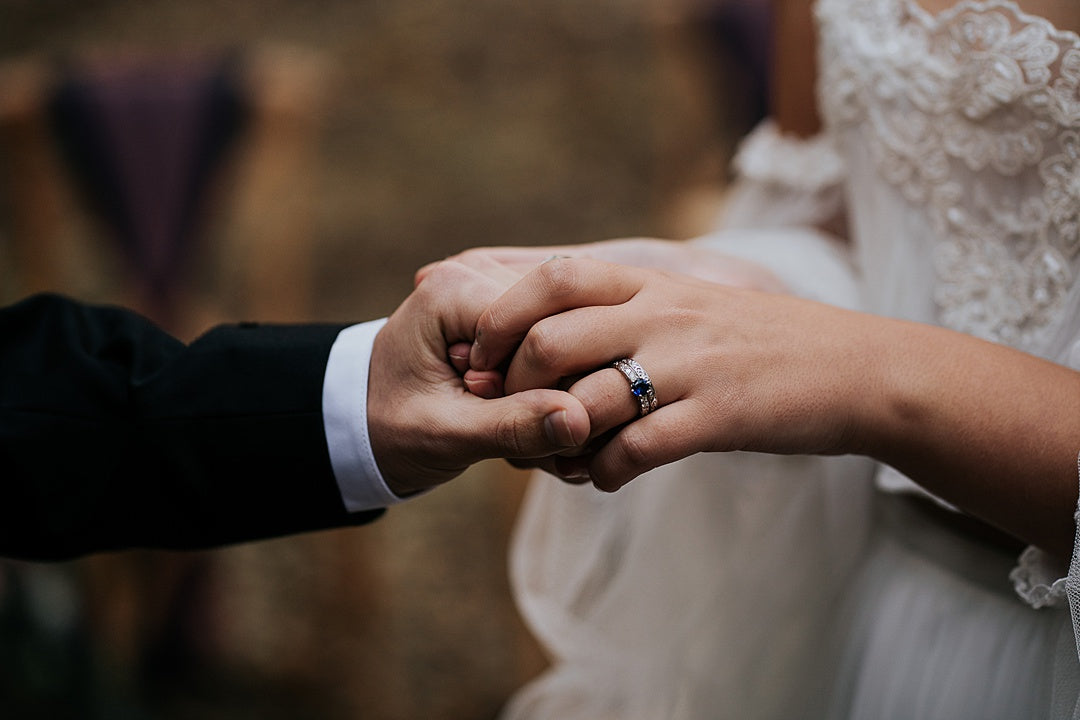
(572, 469)
(475, 352)
(481, 388)
(474, 355)
(607, 487)
(577, 477)
(459, 356)
(557, 429)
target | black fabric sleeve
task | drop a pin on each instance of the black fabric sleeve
(113, 434)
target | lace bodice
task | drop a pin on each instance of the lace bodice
(972, 120)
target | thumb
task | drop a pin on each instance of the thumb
(530, 424)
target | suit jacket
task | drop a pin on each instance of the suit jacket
(114, 434)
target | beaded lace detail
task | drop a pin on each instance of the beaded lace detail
(974, 116)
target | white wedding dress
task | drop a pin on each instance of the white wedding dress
(754, 586)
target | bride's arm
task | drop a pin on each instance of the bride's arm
(990, 429)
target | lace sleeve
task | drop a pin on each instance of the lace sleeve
(782, 180)
(1041, 581)
(785, 189)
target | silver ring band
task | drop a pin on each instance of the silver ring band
(641, 386)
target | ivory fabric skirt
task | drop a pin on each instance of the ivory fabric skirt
(749, 586)
(932, 628)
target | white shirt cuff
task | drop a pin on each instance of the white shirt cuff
(344, 406)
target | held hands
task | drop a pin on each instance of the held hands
(425, 428)
(732, 368)
(740, 369)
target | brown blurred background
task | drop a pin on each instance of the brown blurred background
(380, 135)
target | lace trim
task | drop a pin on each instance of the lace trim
(1037, 579)
(973, 114)
(803, 164)
(1072, 581)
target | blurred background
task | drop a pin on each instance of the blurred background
(217, 160)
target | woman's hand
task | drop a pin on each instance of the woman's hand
(992, 430)
(733, 369)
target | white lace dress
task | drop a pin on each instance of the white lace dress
(752, 586)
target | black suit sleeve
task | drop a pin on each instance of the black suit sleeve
(113, 434)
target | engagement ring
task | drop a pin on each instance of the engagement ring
(640, 385)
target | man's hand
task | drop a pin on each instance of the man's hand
(425, 427)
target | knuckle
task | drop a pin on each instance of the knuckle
(636, 448)
(559, 278)
(442, 276)
(511, 434)
(542, 347)
(494, 319)
(470, 256)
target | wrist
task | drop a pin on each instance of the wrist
(382, 421)
(401, 444)
(886, 391)
(918, 390)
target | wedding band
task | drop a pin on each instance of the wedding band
(549, 258)
(640, 385)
